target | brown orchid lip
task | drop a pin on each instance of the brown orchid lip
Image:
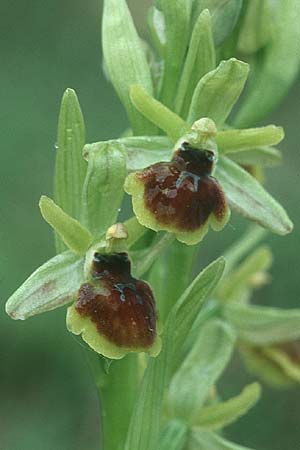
(122, 307)
(182, 193)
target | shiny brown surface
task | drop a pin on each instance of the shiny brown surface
(182, 193)
(124, 312)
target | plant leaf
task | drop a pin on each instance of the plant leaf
(276, 66)
(201, 58)
(177, 14)
(250, 199)
(218, 90)
(222, 414)
(70, 166)
(103, 187)
(73, 234)
(261, 325)
(230, 141)
(173, 436)
(204, 440)
(200, 370)
(52, 285)
(125, 59)
(158, 113)
(144, 427)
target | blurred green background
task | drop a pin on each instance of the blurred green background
(47, 397)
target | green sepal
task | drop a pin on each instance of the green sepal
(275, 68)
(224, 16)
(125, 59)
(257, 26)
(177, 14)
(158, 113)
(145, 423)
(260, 156)
(103, 187)
(220, 415)
(99, 343)
(135, 188)
(205, 440)
(73, 234)
(200, 59)
(261, 325)
(217, 92)
(249, 198)
(201, 368)
(51, 286)
(230, 141)
(173, 436)
(70, 167)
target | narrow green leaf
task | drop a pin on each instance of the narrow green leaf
(200, 59)
(70, 166)
(250, 199)
(173, 436)
(177, 14)
(205, 440)
(261, 156)
(217, 91)
(257, 26)
(258, 261)
(222, 414)
(103, 187)
(260, 325)
(236, 140)
(225, 14)
(125, 59)
(73, 234)
(200, 370)
(276, 66)
(146, 419)
(52, 285)
(158, 113)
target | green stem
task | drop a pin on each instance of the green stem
(117, 392)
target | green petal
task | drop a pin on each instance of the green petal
(52, 285)
(173, 436)
(73, 234)
(87, 329)
(230, 141)
(205, 440)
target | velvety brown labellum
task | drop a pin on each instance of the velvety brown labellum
(182, 192)
(122, 307)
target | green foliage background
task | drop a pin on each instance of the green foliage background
(47, 398)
